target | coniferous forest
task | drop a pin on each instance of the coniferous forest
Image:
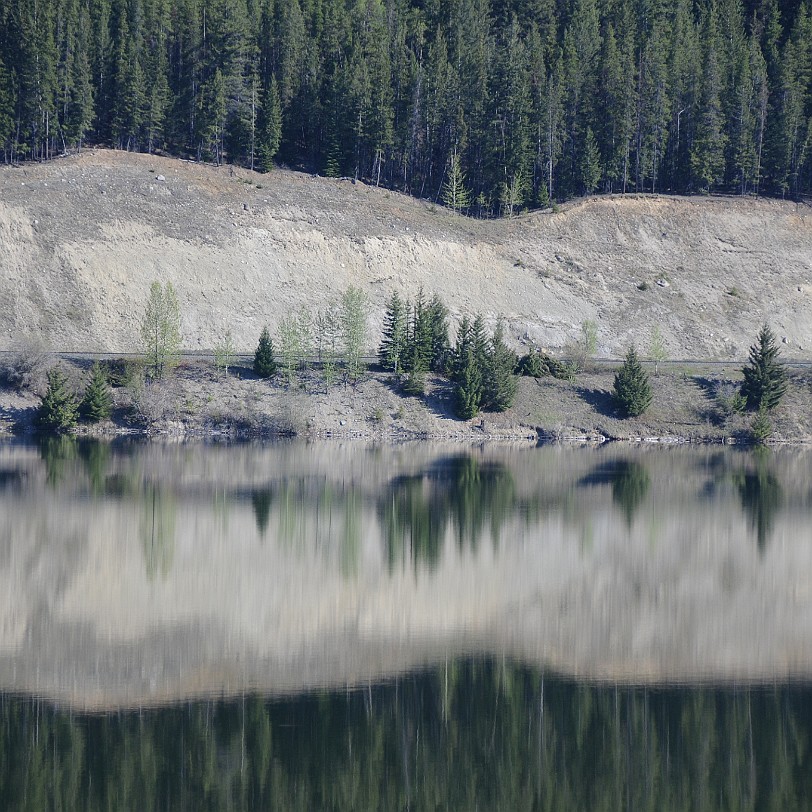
(491, 106)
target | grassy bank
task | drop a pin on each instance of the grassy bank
(690, 403)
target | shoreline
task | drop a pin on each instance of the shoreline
(199, 403)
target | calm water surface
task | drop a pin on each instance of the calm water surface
(340, 626)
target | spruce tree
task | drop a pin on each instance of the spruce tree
(393, 343)
(499, 384)
(97, 402)
(58, 410)
(765, 377)
(632, 390)
(438, 328)
(468, 389)
(264, 363)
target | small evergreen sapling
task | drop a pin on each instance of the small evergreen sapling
(765, 378)
(97, 402)
(58, 410)
(264, 364)
(632, 390)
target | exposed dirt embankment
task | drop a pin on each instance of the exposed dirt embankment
(81, 239)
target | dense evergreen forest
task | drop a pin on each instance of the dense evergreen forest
(491, 106)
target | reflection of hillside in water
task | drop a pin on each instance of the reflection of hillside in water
(185, 568)
(465, 735)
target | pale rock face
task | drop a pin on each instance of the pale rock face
(77, 258)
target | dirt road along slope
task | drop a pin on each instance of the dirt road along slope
(82, 238)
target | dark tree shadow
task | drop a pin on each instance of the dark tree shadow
(599, 399)
(711, 412)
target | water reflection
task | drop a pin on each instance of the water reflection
(460, 492)
(466, 735)
(157, 530)
(150, 572)
(761, 495)
(629, 481)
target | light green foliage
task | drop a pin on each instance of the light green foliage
(290, 346)
(656, 349)
(765, 377)
(512, 194)
(160, 329)
(224, 353)
(59, 409)
(632, 390)
(354, 309)
(455, 195)
(97, 402)
(327, 339)
(264, 363)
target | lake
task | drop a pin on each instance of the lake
(340, 626)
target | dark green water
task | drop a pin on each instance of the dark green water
(477, 735)
(347, 627)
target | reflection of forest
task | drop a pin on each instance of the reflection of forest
(461, 492)
(470, 735)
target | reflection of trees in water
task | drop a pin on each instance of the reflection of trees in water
(761, 496)
(416, 510)
(58, 453)
(261, 502)
(629, 481)
(313, 509)
(157, 530)
(476, 736)
(95, 456)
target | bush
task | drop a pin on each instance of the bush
(224, 353)
(538, 364)
(632, 390)
(26, 367)
(765, 378)
(264, 363)
(58, 410)
(97, 402)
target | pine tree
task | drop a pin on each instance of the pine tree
(468, 389)
(269, 126)
(632, 391)
(264, 363)
(438, 328)
(59, 409)
(469, 362)
(765, 377)
(393, 344)
(499, 380)
(97, 402)
(590, 163)
(455, 195)
(708, 151)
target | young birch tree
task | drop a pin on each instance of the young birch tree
(160, 329)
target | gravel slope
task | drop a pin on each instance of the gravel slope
(82, 238)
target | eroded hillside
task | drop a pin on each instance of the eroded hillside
(82, 238)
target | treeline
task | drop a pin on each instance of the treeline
(490, 106)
